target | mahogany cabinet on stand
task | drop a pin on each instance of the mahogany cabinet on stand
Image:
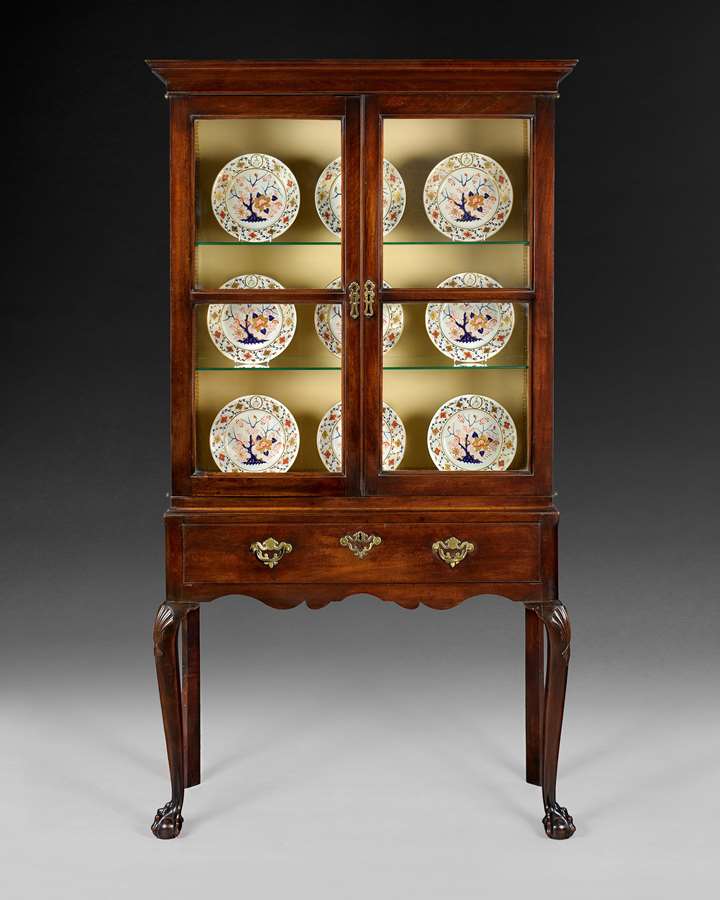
(362, 357)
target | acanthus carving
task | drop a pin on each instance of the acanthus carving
(169, 616)
(555, 616)
(165, 619)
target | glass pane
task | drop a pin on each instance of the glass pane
(455, 386)
(301, 384)
(465, 202)
(267, 387)
(257, 181)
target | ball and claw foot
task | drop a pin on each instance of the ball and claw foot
(168, 822)
(558, 823)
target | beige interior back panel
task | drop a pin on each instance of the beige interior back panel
(308, 396)
(307, 254)
(415, 146)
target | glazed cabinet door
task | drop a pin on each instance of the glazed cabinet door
(265, 201)
(457, 284)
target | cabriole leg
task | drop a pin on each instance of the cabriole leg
(558, 822)
(534, 695)
(191, 696)
(168, 820)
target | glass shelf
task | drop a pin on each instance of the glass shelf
(434, 368)
(451, 368)
(254, 244)
(453, 243)
(267, 368)
(337, 243)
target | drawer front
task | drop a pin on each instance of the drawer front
(492, 552)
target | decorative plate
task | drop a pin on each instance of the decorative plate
(328, 321)
(472, 433)
(255, 197)
(328, 196)
(468, 197)
(251, 334)
(254, 434)
(469, 333)
(393, 439)
(329, 439)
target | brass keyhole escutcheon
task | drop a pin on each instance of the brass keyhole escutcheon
(360, 543)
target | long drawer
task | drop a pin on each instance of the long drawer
(394, 553)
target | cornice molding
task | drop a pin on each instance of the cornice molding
(362, 76)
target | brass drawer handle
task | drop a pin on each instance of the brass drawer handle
(354, 297)
(452, 550)
(369, 299)
(270, 551)
(360, 543)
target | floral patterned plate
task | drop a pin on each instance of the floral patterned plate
(328, 196)
(328, 321)
(472, 433)
(329, 439)
(254, 433)
(469, 333)
(255, 197)
(251, 334)
(468, 197)
(393, 439)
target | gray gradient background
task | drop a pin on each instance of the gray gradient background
(362, 751)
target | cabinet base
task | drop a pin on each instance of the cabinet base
(310, 555)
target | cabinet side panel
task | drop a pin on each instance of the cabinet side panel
(182, 191)
(542, 323)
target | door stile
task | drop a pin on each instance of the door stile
(182, 239)
(352, 268)
(542, 184)
(372, 273)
